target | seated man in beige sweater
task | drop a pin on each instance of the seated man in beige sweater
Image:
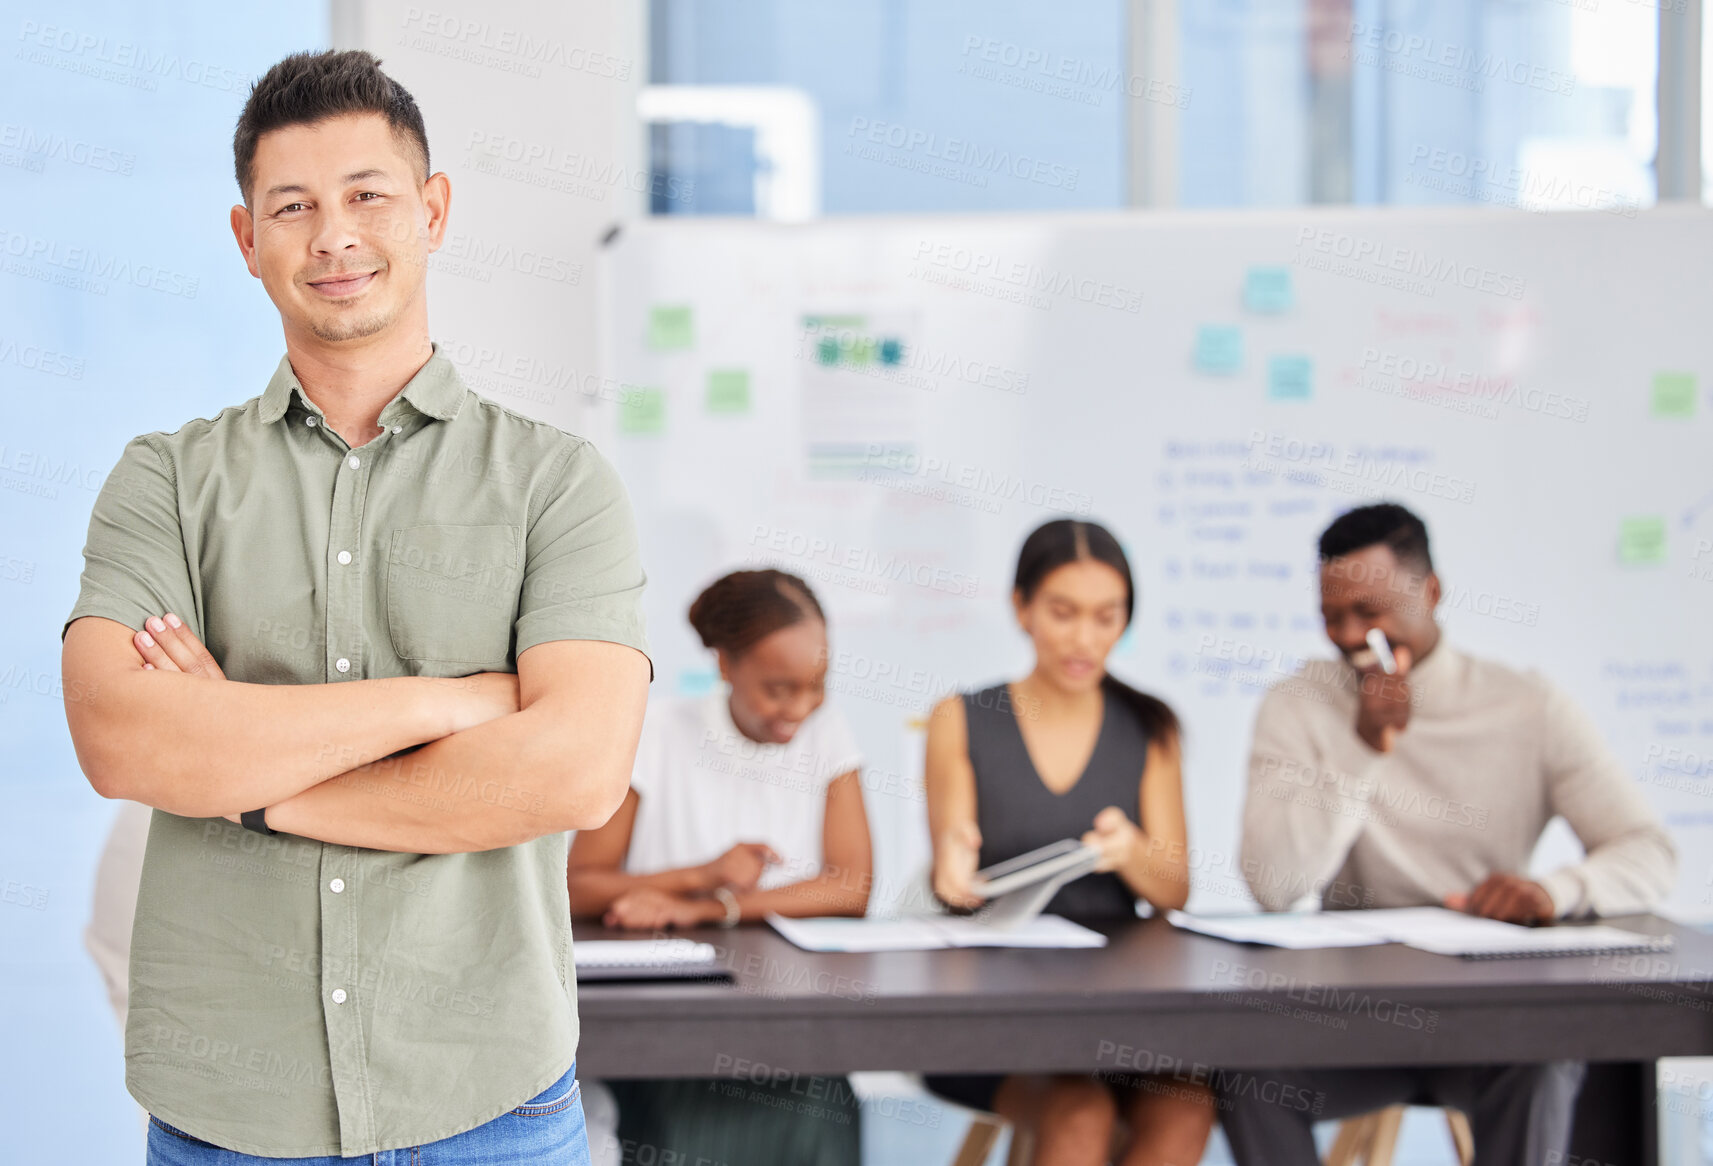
(1429, 786)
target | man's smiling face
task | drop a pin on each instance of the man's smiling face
(340, 225)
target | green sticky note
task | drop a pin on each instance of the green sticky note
(728, 390)
(1268, 289)
(670, 328)
(642, 411)
(1290, 378)
(1219, 348)
(1674, 394)
(1641, 541)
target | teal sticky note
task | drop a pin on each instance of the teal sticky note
(642, 411)
(1268, 289)
(1290, 378)
(697, 681)
(1641, 541)
(728, 390)
(670, 328)
(1219, 348)
(1674, 394)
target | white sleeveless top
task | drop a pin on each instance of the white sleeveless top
(705, 787)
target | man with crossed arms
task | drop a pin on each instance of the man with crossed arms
(394, 630)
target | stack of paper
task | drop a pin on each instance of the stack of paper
(1295, 929)
(930, 933)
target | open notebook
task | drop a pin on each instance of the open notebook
(1434, 929)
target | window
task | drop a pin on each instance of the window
(965, 106)
(931, 106)
(1537, 104)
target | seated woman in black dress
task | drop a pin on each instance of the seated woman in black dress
(1068, 751)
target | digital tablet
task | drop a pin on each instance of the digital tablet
(1061, 861)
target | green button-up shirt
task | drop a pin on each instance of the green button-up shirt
(292, 997)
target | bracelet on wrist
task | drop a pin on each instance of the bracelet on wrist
(729, 901)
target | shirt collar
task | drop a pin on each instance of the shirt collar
(435, 391)
(1435, 675)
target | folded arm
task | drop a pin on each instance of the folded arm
(190, 742)
(561, 762)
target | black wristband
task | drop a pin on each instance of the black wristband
(256, 820)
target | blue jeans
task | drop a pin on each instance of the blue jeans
(546, 1130)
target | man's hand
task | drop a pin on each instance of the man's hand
(166, 645)
(1383, 703)
(740, 867)
(955, 866)
(1115, 836)
(1511, 898)
(645, 909)
(483, 697)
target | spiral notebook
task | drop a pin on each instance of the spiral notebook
(647, 959)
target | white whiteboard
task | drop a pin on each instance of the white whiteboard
(1499, 373)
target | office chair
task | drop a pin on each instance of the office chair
(1371, 1139)
(983, 1133)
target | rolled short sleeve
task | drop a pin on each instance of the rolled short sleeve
(583, 576)
(134, 563)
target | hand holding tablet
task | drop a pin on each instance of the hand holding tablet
(1019, 888)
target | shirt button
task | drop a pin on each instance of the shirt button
(344, 557)
(338, 995)
(398, 429)
(309, 421)
(342, 664)
(352, 461)
(336, 886)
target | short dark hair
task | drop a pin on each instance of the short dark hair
(306, 88)
(737, 611)
(1383, 523)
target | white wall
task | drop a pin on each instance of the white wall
(530, 109)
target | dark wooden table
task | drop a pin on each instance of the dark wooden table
(1156, 999)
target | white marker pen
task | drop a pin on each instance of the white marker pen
(1382, 651)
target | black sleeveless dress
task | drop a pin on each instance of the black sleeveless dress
(1018, 813)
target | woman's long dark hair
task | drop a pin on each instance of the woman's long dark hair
(1066, 540)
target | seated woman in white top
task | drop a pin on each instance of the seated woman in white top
(743, 802)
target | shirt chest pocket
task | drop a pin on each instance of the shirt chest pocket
(452, 593)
